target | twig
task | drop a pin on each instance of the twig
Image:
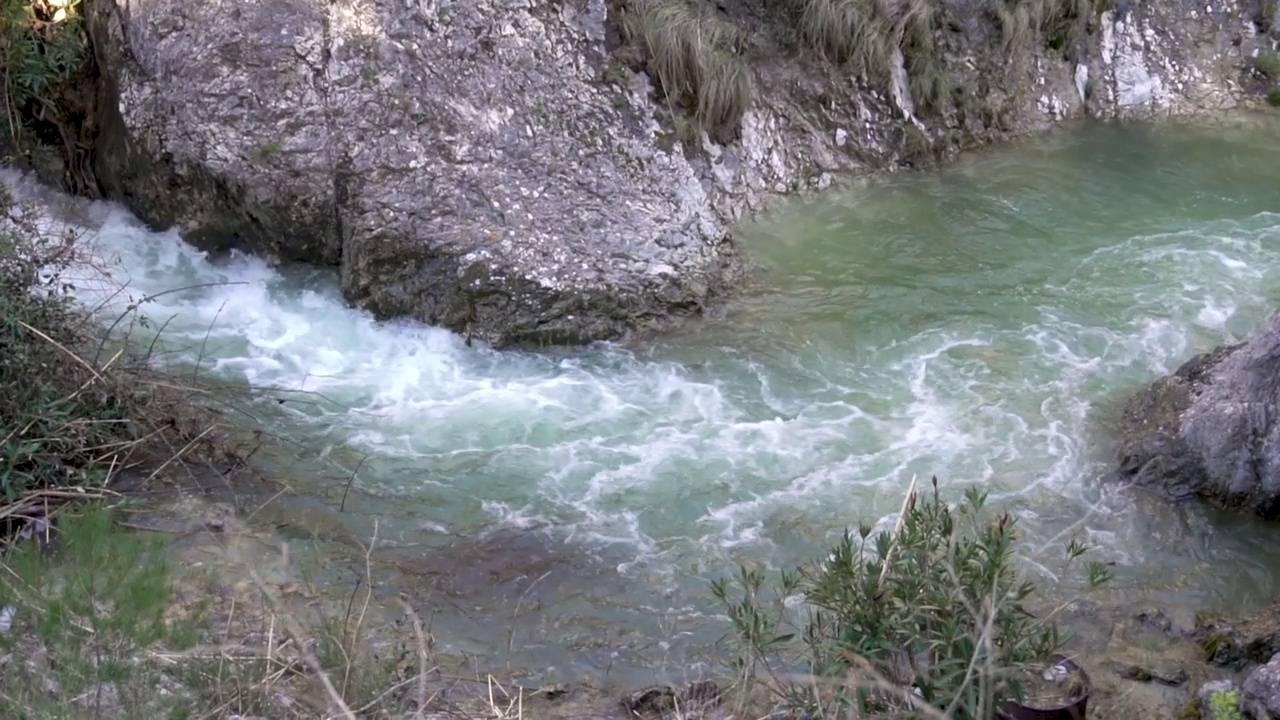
(200, 357)
(63, 348)
(177, 455)
(296, 634)
(342, 507)
(422, 657)
(907, 503)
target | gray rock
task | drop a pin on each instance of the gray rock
(1210, 429)
(468, 164)
(1262, 690)
(457, 159)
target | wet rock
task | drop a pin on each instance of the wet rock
(695, 700)
(1155, 619)
(1165, 674)
(1211, 429)
(1235, 643)
(1262, 690)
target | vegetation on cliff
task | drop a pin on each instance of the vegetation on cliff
(700, 56)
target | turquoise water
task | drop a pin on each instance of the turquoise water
(982, 323)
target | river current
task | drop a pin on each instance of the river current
(982, 323)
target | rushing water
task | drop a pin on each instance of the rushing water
(981, 323)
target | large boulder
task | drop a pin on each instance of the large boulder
(1212, 428)
(458, 160)
(515, 169)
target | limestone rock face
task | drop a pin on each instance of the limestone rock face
(1174, 58)
(458, 160)
(498, 168)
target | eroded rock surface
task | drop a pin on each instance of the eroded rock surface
(457, 159)
(493, 167)
(1212, 428)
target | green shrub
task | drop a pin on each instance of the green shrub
(1225, 705)
(931, 614)
(1273, 97)
(44, 47)
(48, 80)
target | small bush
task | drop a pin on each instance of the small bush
(1268, 63)
(695, 57)
(46, 73)
(930, 615)
(1225, 705)
(1273, 97)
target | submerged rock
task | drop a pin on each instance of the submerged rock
(1212, 428)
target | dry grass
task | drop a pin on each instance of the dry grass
(867, 35)
(696, 59)
(1028, 25)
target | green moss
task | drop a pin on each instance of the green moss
(268, 149)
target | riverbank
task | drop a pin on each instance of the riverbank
(262, 326)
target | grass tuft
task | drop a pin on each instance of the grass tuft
(695, 58)
(1058, 25)
(866, 35)
(1268, 63)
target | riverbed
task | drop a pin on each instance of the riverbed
(981, 323)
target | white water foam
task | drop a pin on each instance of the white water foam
(743, 453)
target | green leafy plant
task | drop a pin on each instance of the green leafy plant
(46, 73)
(1225, 705)
(929, 616)
(1273, 97)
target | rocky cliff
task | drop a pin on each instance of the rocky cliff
(548, 171)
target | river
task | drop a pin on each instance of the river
(982, 323)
